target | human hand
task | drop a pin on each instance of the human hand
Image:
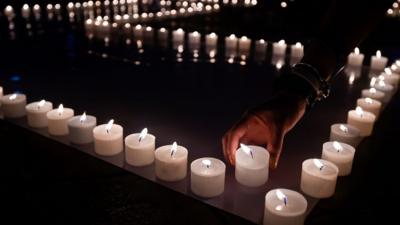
(266, 126)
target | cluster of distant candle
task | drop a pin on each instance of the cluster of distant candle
(394, 11)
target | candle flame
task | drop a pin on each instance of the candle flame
(195, 33)
(109, 125)
(243, 38)
(138, 27)
(352, 78)
(388, 71)
(162, 29)
(382, 83)
(213, 35)
(83, 117)
(337, 146)
(344, 128)
(372, 90)
(397, 62)
(298, 45)
(281, 42)
(180, 30)
(381, 77)
(232, 36)
(25, 7)
(262, 41)
(174, 148)
(206, 163)
(372, 82)
(143, 134)
(281, 196)
(13, 97)
(247, 150)
(359, 111)
(378, 53)
(368, 100)
(318, 164)
(41, 104)
(357, 51)
(60, 109)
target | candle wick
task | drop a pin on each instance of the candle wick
(251, 153)
(208, 166)
(172, 154)
(285, 201)
(140, 139)
(321, 168)
(107, 131)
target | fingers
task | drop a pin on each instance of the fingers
(231, 142)
(275, 148)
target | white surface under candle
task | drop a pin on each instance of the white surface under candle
(378, 62)
(317, 182)
(108, 143)
(373, 93)
(171, 168)
(207, 177)
(276, 212)
(370, 105)
(342, 156)
(363, 121)
(81, 130)
(345, 133)
(139, 153)
(13, 105)
(37, 113)
(58, 121)
(252, 171)
(279, 48)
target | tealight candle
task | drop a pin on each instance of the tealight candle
(139, 148)
(345, 133)
(231, 44)
(108, 139)
(1, 92)
(364, 121)
(341, 154)
(279, 48)
(355, 58)
(211, 40)
(207, 178)
(25, 11)
(138, 32)
(391, 78)
(37, 113)
(194, 40)
(370, 105)
(81, 129)
(378, 62)
(283, 207)
(251, 165)
(148, 34)
(261, 46)
(178, 36)
(13, 105)
(171, 162)
(9, 11)
(162, 34)
(58, 120)
(244, 46)
(318, 178)
(387, 89)
(373, 93)
(297, 50)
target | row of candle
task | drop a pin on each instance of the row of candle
(377, 63)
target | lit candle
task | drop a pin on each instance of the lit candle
(251, 165)
(1, 92)
(36, 113)
(244, 46)
(297, 50)
(395, 67)
(138, 32)
(9, 11)
(318, 178)
(387, 89)
(355, 58)
(211, 41)
(81, 129)
(171, 162)
(279, 48)
(139, 148)
(194, 40)
(108, 139)
(373, 93)
(364, 121)
(341, 154)
(148, 34)
(178, 36)
(13, 105)
(370, 105)
(378, 62)
(207, 178)
(25, 11)
(345, 133)
(283, 207)
(162, 34)
(58, 120)
(391, 78)
(231, 44)
(261, 46)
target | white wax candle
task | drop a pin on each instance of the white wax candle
(37, 113)
(364, 121)
(1, 92)
(283, 207)
(139, 148)
(171, 162)
(148, 33)
(162, 34)
(373, 93)
(395, 67)
(251, 165)
(378, 62)
(370, 105)
(194, 40)
(207, 177)
(58, 120)
(231, 43)
(279, 48)
(211, 40)
(387, 89)
(13, 105)
(9, 11)
(297, 50)
(261, 46)
(138, 32)
(25, 11)
(178, 36)
(318, 178)
(391, 78)
(81, 129)
(244, 46)
(108, 139)
(355, 58)
(345, 133)
(341, 154)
